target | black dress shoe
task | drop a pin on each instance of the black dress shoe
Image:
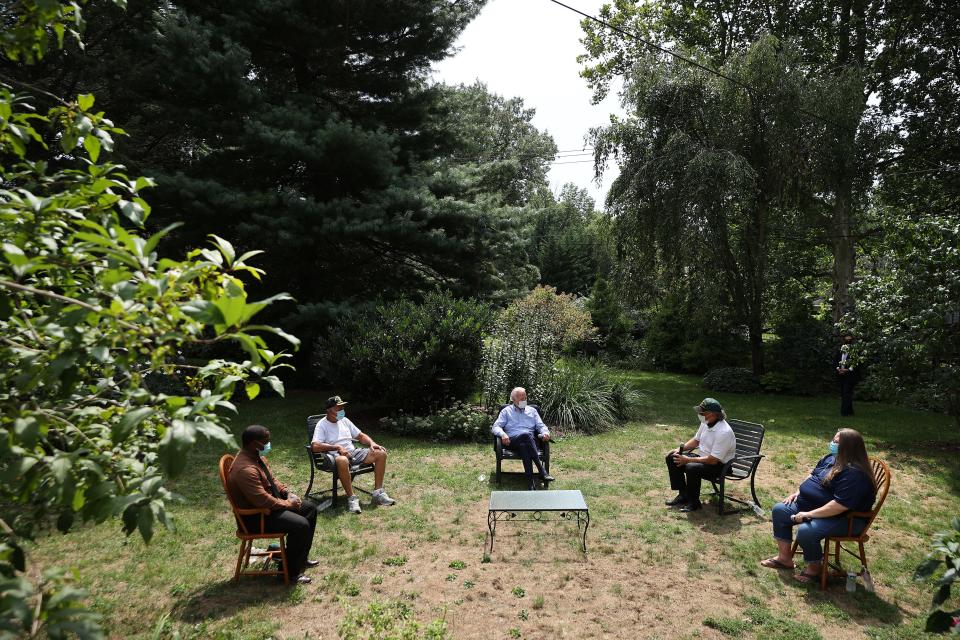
(311, 563)
(676, 501)
(693, 506)
(547, 478)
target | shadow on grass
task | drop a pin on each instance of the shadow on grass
(227, 598)
(861, 607)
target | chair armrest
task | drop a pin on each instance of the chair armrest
(856, 514)
(750, 457)
(263, 513)
(498, 447)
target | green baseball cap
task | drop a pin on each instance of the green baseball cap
(709, 404)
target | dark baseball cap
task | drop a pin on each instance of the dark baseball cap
(709, 404)
(335, 401)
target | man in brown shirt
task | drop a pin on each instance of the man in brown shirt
(252, 486)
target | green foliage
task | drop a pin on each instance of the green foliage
(801, 354)
(781, 382)
(731, 379)
(526, 340)
(349, 166)
(496, 138)
(458, 422)
(396, 351)
(944, 557)
(908, 314)
(570, 240)
(88, 311)
(692, 337)
(585, 397)
(613, 324)
(388, 620)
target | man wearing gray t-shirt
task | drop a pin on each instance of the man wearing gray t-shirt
(717, 444)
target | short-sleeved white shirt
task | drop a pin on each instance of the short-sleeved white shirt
(717, 441)
(341, 432)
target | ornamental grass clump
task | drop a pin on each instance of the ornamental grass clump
(586, 398)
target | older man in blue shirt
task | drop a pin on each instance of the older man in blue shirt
(518, 427)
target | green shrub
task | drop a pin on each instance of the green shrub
(666, 335)
(944, 557)
(612, 322)
(396, 351)
(586, 398)
(690, 337)
(778, 382)
(731, 379)
(803, 350)
(526, 340)
(459, 421)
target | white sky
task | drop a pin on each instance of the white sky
(528, 49)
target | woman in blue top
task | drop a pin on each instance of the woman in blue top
(840, 482)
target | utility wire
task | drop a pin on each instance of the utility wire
(750, 91)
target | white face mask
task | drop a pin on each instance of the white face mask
(522, 404)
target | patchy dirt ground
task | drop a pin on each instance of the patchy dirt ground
(650, 572)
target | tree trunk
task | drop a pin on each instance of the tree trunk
(844, 249)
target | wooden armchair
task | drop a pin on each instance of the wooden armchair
(881, 481)
(247, 537)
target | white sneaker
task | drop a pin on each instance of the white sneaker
(381, 498)
(353, 504)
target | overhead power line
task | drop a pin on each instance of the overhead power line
(750, 91)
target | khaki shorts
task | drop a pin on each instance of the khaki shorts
(357, 457)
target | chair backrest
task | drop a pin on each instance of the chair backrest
(226, 461)
(312, 424)
(881, 482)
(749, 440)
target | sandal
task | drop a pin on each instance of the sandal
(773, 563)
(806, 578)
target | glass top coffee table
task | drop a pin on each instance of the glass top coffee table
(531, 505)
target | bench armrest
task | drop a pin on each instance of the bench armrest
(753, 456)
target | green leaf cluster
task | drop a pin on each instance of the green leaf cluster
(89, 310)
(944, 557)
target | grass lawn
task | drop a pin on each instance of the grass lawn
(651, 572)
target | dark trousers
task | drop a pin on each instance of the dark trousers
(686, 479)
(525, 445)
(299, 527)
(847, 382)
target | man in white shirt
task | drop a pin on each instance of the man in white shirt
(334, 436)
(717, 444)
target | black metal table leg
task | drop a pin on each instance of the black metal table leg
(491, 526)
(585, 527)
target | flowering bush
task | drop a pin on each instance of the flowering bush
(527, 339)
(459, 421)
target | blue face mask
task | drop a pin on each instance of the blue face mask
(834, 447)
(266, 449)
(341, 414)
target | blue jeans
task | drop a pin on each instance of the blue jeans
(810, 534)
